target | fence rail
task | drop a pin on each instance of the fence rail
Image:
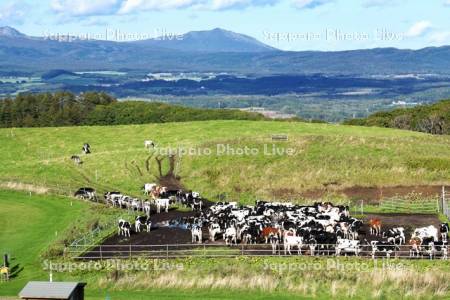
(400, 205)
(100, 252)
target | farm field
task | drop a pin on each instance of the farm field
(328, 160)
(36, 218)
(337, 163)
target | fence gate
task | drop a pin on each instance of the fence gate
(445, 201)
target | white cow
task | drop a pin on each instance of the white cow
(291, 241)
(197, 234)
(162, 203)
(147, 208)
(149, 187)
(230, 236)
(347, 246)
(426, 232)
(214, 229)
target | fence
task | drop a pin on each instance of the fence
(100, 252)
(83, 244)
(400, 205)
(445, 205)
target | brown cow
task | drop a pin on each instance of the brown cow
(266, 232)
(375, 226)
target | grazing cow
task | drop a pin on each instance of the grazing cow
(113, 198)
(386, 247)
(86, 193)
(140, 220)
(76, 159)
(444, 229)
(426, 232)
(347, 246)
(149, 144)
(375, 226)
(162, 203)
(86, 148)
(124, 228)
(197, 234)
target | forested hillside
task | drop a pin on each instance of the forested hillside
(434, 118)
(67, 109)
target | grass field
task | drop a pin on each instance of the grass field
(34, 227)
(28, 226)
(343, 156)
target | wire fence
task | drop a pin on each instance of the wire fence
(402, 205)
(96, 235)
(100, 252)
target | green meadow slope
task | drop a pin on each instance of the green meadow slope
(343, 156)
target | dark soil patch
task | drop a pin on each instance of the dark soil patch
(408, 221)
(160, 237)
(375, 194)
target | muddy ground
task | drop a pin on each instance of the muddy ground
(160, 236)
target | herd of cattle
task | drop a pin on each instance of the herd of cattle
(322, 228)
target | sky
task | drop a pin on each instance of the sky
(295, 25)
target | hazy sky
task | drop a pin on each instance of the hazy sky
(285, 24)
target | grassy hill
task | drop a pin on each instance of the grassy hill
(325, 155)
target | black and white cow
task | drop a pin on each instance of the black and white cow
(197, 234)
(381, 246)
(426, 232)
(86, 193)
(76, 159)
(124, 228)
(347, 246)
(140, 221)
(444, 229)
(86, 148)
(395, 235)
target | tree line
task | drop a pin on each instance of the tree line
(97, 108)
(433, 118)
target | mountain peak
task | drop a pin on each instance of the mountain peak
(215, 40)
(10, 32)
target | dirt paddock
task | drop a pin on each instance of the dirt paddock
(163, 235)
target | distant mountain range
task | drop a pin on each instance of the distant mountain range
(217, 50)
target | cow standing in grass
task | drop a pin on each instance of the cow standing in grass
(76, 159)
(86, 148)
